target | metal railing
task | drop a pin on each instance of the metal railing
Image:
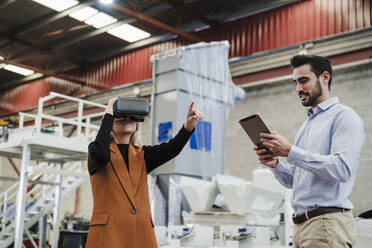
(51, 180)
(40, 193)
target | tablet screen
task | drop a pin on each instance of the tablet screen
(253, 125)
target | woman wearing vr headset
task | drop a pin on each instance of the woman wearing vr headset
(118, 168)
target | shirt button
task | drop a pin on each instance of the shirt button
(133, 211)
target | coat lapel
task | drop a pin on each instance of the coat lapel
(135, 166)
(121, 171)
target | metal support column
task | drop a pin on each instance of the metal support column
(38, 120)
(153, 103)
(21, 120)
(80, 118)
(21, 198)
(42, 231)
(57, 203)
(174, 201)
(5, 209)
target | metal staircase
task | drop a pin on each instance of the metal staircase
(52, 167)
(41, 199)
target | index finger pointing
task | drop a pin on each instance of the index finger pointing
(191, 105)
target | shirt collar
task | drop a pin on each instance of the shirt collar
(323, 106)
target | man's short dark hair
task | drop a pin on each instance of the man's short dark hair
(318, 64)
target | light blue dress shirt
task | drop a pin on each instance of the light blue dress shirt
(323, 161)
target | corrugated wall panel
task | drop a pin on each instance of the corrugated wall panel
(293, 24)
(277, 28)
(127, 68)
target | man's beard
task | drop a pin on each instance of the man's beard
(317, 92)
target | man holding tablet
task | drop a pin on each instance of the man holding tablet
(322, 162)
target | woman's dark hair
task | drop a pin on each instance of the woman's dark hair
(318, 64)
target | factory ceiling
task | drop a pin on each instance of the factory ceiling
(42, 38)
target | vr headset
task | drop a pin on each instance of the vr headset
(134, 108)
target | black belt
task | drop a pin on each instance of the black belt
(311, 213)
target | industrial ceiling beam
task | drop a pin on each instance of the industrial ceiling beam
(86, 35)
(133, 46)
(131, 6)
(14, 83)
(156, 7)
(56, 75)
(151, 40)
(160, 6)
(67, 42)
(154, 39)
(19, 31)
(4, 3)
(186, 11)
(155, 23)
(7, 43)
(109, 53)
(71, 58)
(64, 43)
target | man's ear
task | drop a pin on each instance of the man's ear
(325, 76)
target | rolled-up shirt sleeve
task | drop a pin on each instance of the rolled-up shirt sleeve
(347, 138)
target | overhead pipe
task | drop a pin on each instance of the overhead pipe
(181, 8)
(155, 23)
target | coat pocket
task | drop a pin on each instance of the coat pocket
(98, 219)
(96, 230)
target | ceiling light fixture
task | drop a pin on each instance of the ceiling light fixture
(100, 20)
(18, 70)
(58, 5)
(128, 32)
(106, 1)
(84, 13)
